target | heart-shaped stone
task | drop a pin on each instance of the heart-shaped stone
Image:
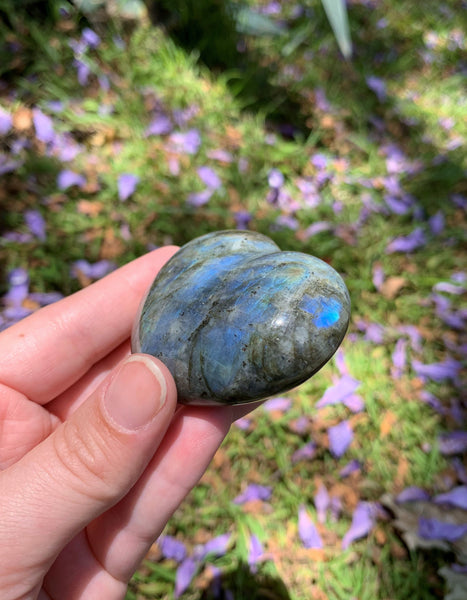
(236, 320)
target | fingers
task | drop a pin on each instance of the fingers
(82, 469)
(121, 538)
(44, 353)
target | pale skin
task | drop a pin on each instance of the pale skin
(95, 453)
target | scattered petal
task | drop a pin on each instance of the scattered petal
(354, 402)
(408, 243)
(243, 423)
(340, 438)
(432, 529)
(67, 178)
(351, 467)
(322, 502)
(277, 404)
(378, 86)
(453, 443)
(306, 452)
(35, 223)
(338, 392)
(275, 179)
(413, 494)
(90, 37)
(242, 219)
(252, 492)
(217, 545)
(184, 576)
(199, 198)
(160, 125)
(6, 121)
(188, 141)
(172, 548)
(448, 369)
(307, 531)
(127, 183)
(209, 177)
(437, 223)
(455, 497)
(362, 524)
(449, 288)
(43, 125)
(256, 552)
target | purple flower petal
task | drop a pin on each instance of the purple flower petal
(414, 336)
(243, 423)
(432, 401)
(453, 443)
(209, 177)
(93, 271)
(254, 492)
(127, 183)
(280, 404)
(90, 37)
(437, 223)
(256, 552)
(220, 155)
(336, 393)
(217, 545)
(35, 223)
(413, 494)
(322, 502)
(340, 438)
(188, 142)
(287, 221)
(449, 288)
(409, 243)
(43, 126)
(18, 281)
(275, 179)
(397, 205)
(432, 529)
(448, 369)
(199, 198)
(316, 228)
(455, 497)
(172, 548)
(354, 402)
(307, 531)
(45, 298)
(319, 161)
(306, 452)
(350, 467)
(6, 121)
(378, 86)
(82, 70)
(362, 524)
(160, 125)
(7, 166)
(184, 576)
(67, 178)
(378, 276)
(242, 219)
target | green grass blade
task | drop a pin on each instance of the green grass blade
(337, 15)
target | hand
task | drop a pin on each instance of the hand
(95, 456)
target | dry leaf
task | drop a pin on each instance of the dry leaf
(112, 246)
(22, 119)
(387, 423)
(392, 286)
(90, 208)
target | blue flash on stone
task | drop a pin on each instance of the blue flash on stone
(237, 320)
(326, 311)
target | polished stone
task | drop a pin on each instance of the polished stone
(236, 320)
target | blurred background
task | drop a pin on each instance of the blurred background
(336, 128)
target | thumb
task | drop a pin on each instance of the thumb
(85, 466)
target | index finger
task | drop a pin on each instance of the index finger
(45, 353)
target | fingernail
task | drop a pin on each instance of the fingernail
(136, 394)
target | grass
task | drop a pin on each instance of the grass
(395, 436)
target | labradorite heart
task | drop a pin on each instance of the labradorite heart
(236, 320)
